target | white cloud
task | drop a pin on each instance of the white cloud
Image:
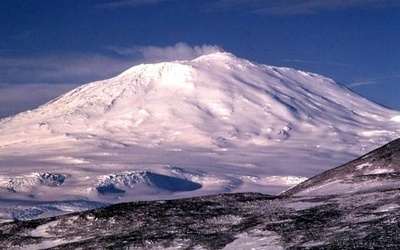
(180, 51)
(372, 81)
(17, 98)
(361, 83)
(77, 68)
(129, 3)
(60, 69)
(299, 7)
(27, 82)
(315, 62)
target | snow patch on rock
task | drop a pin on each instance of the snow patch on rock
(26, 182)
(116, 183)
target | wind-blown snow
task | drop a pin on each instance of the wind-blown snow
(214, 124)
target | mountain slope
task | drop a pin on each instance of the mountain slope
(214, 124)
(376, 170)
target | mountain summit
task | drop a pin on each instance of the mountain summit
(214, 124)
(212, 101)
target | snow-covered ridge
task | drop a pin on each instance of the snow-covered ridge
(230, 124)
(21, 183)
(375, 171)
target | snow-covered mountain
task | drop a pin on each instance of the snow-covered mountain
(214, 124)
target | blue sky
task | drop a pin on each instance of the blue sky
(49, 46)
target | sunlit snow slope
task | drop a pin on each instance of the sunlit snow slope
(375, 171)
(215, 124)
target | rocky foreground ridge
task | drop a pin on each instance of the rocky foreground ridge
(362, 213)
